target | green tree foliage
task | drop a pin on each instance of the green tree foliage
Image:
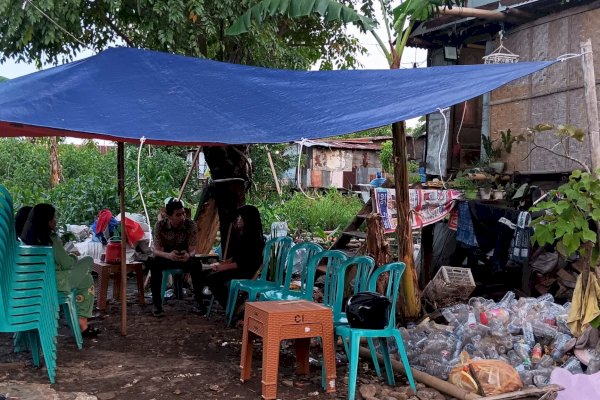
(567, 221)
(189, 27)
(90, 182)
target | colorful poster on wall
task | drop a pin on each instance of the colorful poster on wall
(427, 206)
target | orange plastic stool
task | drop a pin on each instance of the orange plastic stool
(105, 269)
(275, 321)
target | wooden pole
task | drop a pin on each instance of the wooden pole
(411, 304)
(591, 102)
(190, 172)
(121, 184)
(274, 173)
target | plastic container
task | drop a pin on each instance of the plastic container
(528, 334)
(113, 251)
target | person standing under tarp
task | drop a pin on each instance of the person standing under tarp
(174, 248)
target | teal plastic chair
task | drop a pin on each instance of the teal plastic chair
(307, 271)
(353, 335)
(67, 303)
(350, 278)
(271, 274)
(165, 279)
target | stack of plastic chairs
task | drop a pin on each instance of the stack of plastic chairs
(28, 300)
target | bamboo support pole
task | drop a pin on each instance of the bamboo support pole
(190, 172)
(274, 173)
(591, 102)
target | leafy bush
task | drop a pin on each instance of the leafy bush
(90, 178)
(324, 212)
(567, 221)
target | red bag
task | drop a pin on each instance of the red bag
(134, 231)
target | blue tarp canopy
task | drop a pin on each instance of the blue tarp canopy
(125, 94)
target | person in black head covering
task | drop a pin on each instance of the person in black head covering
(71, 272)
(21, 219)
(247, 243)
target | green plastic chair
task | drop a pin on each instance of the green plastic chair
(165, 278)
(28, 295)
(271, 274)
(307, 251)
(353, 335)
(29, 304)
(67, 303)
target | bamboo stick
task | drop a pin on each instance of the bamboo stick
(431, 381)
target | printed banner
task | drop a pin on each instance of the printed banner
(427, 206)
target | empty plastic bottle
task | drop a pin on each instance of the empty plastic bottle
(528, 334)
(523, 352)
(536, 353)
(543, 330)
(593, 365)
(450, 317)
(506, 300)
(439, 369)
(545, 362)
(546, 298)
(514, 358)
(573, 365)
(560, 345)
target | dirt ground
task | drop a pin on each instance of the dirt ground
(181, 356)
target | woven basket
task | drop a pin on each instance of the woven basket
(449, 285)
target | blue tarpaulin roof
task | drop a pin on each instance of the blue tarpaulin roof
(124, 94)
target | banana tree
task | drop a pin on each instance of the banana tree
(408, 12)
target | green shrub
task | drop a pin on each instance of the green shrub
(324, 212)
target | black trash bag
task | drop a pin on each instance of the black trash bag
(368, 310)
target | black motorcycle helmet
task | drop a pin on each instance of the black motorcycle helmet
(368, 310)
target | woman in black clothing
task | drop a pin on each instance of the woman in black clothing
(247, 243)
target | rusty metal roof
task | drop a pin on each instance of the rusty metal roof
(366, 143)
(453, 30)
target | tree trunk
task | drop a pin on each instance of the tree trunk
(411, 304)
(231, 170)
(378, 247)
(55, 168)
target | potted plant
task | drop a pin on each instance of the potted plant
(498, 193)
(493, 151)
(467, 186)
(485, 190)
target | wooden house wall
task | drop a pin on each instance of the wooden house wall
(554, 95)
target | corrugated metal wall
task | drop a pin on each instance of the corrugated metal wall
(554, 95)
(341, 168)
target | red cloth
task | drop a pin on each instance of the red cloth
(104, 217)
(134, 231)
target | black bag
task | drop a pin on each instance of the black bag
(368, 310)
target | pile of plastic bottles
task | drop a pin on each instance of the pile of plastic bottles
(531, 334)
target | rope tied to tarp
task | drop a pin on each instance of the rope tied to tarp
(139, 183)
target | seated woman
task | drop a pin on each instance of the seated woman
(247, 242)
(71, 273)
